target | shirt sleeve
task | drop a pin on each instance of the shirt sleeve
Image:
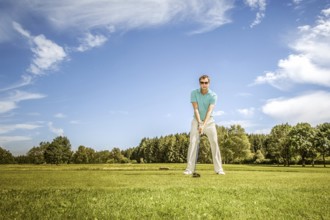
(193, 97)
(213, 100)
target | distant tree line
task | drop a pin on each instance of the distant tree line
(285, 145)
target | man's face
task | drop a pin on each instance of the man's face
(204, 83)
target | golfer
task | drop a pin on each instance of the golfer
(203, 101)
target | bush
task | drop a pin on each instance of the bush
(6, 157)
(248, 161)
(124, 160)
(259, 157)
(238, 161)
(267, 161)
(111, 160)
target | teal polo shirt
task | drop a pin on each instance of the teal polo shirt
(203, 101)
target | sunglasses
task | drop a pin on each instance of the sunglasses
(204, 83)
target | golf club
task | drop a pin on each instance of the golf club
(195, 174)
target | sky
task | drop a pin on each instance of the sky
(107, 73)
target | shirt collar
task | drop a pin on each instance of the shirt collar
(208, 92)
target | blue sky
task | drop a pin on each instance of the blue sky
(108, 73)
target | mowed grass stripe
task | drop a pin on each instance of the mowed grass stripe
(91, 192)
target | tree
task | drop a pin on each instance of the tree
(128, 153)
(183, 145)
(80, 156)
(102, 156)
(90, 154)
(204, 155)
(117, 157)
(170, 152)
(59, 151)
(301, 137)
(238, 144)
(6, 157)
(149, 151)
(226, 153)
(278, 145)
(141, 152)
(259, 157)
(36, 154)
(158, 150)
(84, 155)
(22, 159)
(258, 142)
(322, 140)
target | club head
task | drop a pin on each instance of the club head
(196, 175)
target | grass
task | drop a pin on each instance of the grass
(142, 191)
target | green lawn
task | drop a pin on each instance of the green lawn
(142, 191)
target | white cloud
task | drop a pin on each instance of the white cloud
(209, 14)
(313, 108)
(20, 30)
(310, 64)
(218, 113)
(296, 2)
(108, 16)
(326, 12)
(314, 42)
(132, 14)
(243, 123)
(259, 5)
(75, 122)
(90, 41)
(57, 131)
(6, 106)
(9, 103)
(47, 54)
(26, 80)
(18, 96)
(262, 131)
(8, 128)
(60, 115)
(246, 112)
(6, 139)
(296, 69)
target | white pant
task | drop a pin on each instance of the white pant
(211, 132)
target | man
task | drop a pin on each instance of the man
(203, 101)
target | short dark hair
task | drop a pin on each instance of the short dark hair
(204, 77)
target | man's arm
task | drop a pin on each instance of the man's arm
(198, 118)
(196, 112)
(208, 114)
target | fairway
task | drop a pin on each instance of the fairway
(143, 191)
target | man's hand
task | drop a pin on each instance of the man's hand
(200, 127)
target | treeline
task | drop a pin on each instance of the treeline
(286, 145)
